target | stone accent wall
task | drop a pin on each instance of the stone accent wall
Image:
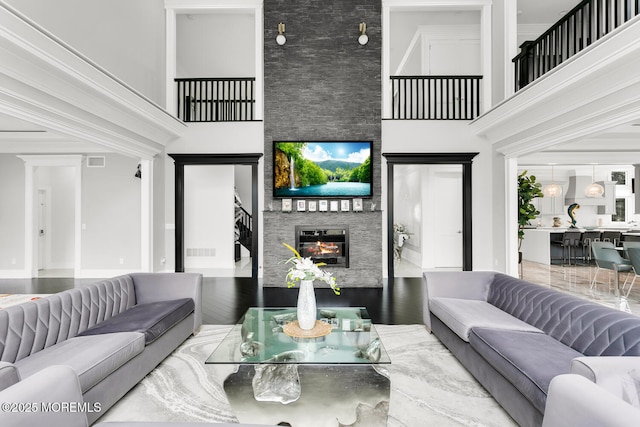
(322, 85)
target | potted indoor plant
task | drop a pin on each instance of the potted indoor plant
(528, 189)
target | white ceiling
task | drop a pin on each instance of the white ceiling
(543, 11)
(16, 134)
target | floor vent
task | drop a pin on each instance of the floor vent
(201, 252)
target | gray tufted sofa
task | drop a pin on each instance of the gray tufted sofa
(111, 333)
(515, 337)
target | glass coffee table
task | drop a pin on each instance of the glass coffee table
(330, 380)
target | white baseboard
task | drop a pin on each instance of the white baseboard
(15, 274)
(59, 266)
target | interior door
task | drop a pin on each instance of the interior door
(433, 208)
(447, 186)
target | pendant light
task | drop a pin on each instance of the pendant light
(594, 190)
(553, 189)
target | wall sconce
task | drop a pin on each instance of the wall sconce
(280, 38)
(364, 38)
(138, 173)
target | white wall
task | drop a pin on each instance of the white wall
(215, 45)
(208, 217)
(404, 25)
(122, 36)
(408, 208)
(219, 138)
(158, 212)
(445, 137)
(111, 218)
(11, 215)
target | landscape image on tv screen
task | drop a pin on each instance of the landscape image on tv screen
(322, 169)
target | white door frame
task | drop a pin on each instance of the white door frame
(31, 163)
(44, 223)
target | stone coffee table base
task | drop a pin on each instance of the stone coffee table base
(329, 395)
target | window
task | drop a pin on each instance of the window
(619, 177)
(621, 211)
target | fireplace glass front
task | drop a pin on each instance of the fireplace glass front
(324, 244)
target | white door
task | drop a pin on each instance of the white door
(447, 188)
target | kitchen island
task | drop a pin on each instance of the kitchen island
(537, 245)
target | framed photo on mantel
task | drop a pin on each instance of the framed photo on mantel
(286, 205)
(312, 206)
(323, 205)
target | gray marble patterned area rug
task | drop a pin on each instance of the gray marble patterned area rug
(428, 385)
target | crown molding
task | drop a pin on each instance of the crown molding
(589, 93)
(199, 5)
(46, 82)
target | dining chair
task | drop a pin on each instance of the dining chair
(608, 258)
(588, 238)
(626, 246)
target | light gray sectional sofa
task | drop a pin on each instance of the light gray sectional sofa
(514, 337)
(111, 333)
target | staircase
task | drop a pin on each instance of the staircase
(244, 228)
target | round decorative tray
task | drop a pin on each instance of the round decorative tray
(319, 330)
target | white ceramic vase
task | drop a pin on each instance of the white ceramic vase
(306, 305)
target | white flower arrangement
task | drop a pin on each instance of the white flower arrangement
(306, 269)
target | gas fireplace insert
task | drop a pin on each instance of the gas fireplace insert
(328, 244)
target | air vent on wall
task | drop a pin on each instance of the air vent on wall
(95, 161)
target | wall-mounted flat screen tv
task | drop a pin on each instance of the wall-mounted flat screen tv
(322, 169)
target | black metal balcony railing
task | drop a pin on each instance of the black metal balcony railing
(435, 97)
(583, 25)
(216, 99)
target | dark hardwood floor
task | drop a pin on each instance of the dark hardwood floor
(224, 300)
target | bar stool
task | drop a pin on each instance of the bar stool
(612, 236)
(571, 239)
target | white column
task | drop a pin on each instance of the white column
(170, 55)
(511, 214)
(386, 83)
(259, 52)
(146, 212)
(30, 267)
(510, 45)
(486, 42)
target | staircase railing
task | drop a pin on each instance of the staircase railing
(435, 97)
(588, 22)
(222, 99)
(244, 224)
